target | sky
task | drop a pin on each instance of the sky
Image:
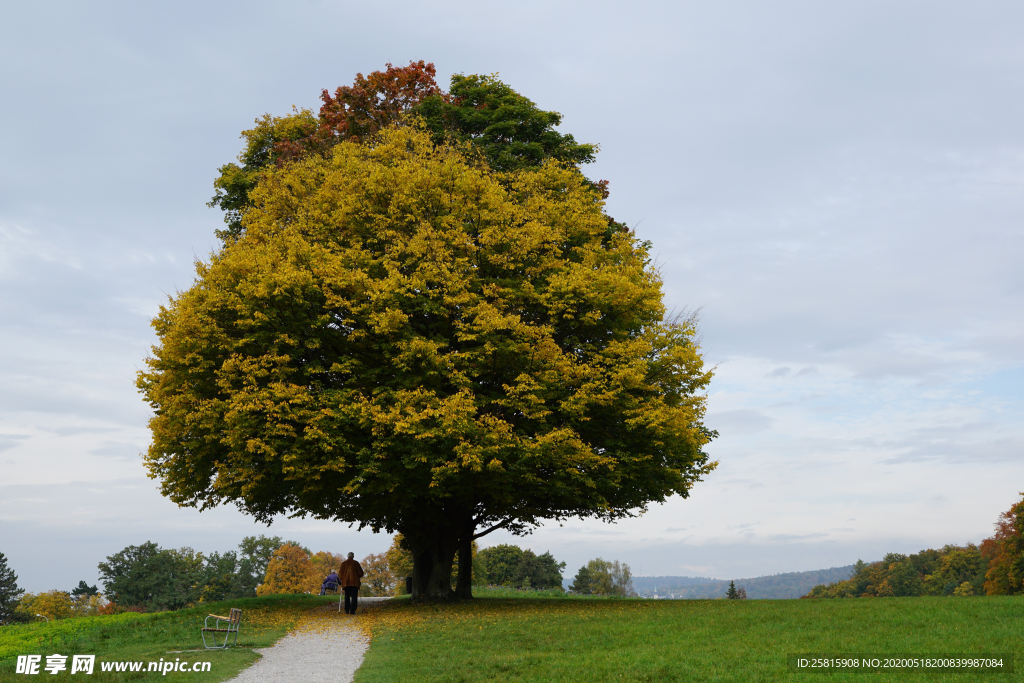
(836, 187)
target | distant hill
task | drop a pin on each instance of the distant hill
(790, 585)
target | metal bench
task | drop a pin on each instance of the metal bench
(231, 622)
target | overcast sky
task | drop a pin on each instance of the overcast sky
(837, 186)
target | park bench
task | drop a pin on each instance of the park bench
(230, 622)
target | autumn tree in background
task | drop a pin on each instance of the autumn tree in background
(323, 562)
(290, 571)
(89, 605)
(54, 604)
(378, 578)
(405, 337)
(399, 563)
(10, 593)
(1005, 553)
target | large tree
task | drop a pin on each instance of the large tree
(405, 338)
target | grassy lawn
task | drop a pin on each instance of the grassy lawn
(538, 639)
(547, 637)
(150, 637)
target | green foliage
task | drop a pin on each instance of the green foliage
(510, 565)
(510, 592)
(10, 593)
(509, 129)
(84, 590)
(732, 593)
(150, 577)
(581, 583)
(225, 577)
(601, 577)
(158, 579)
(236, 181)
(257, 551)
(502, 562)
(929, 572)
(539, 571)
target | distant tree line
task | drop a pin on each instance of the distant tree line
(774, 587)
(952, 570)
(148, 578)
(158, 579)
(996, 567)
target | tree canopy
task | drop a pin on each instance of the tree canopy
(510, 565)
(601, 577)
(84, 590)
(153, 578)
(405, 337)
(506, 127)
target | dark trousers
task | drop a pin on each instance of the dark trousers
(351, 599)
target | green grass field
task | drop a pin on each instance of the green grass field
(541, 638)
(572, 640)
(150, 637)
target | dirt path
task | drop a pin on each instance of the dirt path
(326, 647)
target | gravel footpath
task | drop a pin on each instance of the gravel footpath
(328, 649)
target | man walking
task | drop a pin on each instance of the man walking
(350, 573)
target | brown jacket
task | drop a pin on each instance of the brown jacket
(350, 573)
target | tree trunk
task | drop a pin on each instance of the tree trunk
(432, 567)
(464, 582)
(422, 562)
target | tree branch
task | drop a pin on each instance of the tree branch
(493, 528)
